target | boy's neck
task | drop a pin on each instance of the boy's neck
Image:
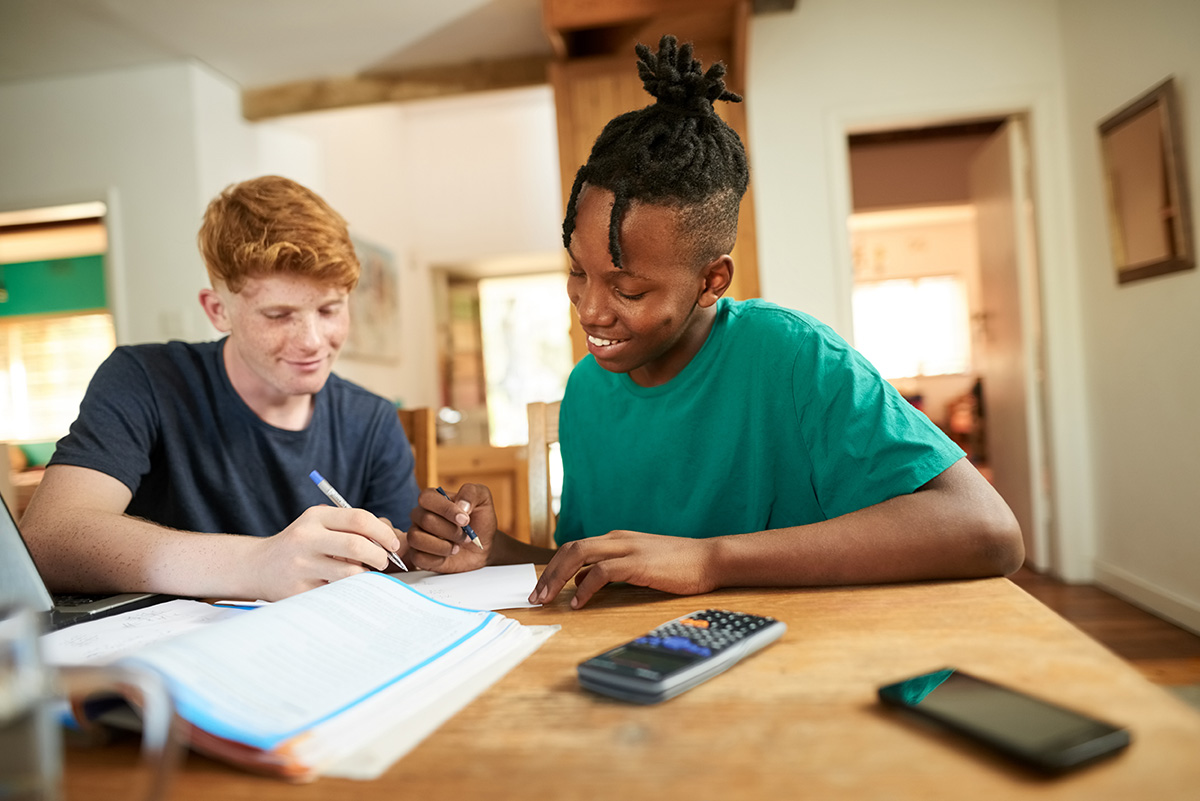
(288, 412)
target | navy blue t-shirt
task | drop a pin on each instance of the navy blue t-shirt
(165, 420)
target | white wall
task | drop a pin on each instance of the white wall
(155, 143)
(446, 181)
(1121, 422)
(457, 180)
(838, 66)
(126, 138)
(451, 181)
(1143, 377)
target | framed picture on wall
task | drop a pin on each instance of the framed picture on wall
(1145, 175)
(374, 307)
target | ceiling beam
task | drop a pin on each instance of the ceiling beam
(772, 6)
(416, 84)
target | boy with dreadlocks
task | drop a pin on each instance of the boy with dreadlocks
(708, 442)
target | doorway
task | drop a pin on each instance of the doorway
(941, 226)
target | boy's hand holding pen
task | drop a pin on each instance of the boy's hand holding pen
(470, 532)
(338, 500)
(440, 524)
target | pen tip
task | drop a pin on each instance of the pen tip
(315, 476)
(480, 544)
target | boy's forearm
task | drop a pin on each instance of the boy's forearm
(98, 551)
(950, 529)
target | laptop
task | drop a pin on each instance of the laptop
(22, 585)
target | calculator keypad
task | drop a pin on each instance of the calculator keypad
(704, 633)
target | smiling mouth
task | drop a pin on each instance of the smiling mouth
(602, 343)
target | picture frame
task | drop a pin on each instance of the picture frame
(1146, 183)
(374, 334)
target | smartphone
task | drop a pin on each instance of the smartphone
(1038, 733)
(678, 655)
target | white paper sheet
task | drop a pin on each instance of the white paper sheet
(494, 587)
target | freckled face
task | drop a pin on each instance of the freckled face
(650, 317)
(285, 333)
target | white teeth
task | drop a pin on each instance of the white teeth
(602, 342)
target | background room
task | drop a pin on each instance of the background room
(449, 161)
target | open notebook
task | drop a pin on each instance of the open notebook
(340, 680)
(21, 585)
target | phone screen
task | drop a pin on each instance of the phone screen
(1047, 735)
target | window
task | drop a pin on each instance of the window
(913, 327)
(54, 332)
(525, 322)
(45, 366)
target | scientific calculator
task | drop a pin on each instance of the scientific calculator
(678, 655)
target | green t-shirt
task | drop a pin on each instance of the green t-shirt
(776, 422)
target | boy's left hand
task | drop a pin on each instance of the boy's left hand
(677, 565)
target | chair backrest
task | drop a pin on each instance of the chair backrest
(420, 425)
(7, 490)
(543, 432)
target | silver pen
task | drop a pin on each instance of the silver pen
(470, 532)
(335, 496)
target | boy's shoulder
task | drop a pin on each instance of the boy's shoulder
(166, 358)
(170, 349)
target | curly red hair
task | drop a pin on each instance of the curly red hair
(271, 225)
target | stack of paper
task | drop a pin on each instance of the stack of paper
(326, 681)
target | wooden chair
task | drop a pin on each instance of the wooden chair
(7, 490)
(543, 432)
(420, 425)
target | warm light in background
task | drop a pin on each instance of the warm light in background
(913, 327)
(45, 366)
(526, 348)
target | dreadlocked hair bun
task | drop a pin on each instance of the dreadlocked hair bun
(675, 79)
(675, 152)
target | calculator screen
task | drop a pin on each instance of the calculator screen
(646, 659)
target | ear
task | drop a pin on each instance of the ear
(716, 277)
(214, 307)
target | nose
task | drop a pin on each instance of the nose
(308, 333)
(592, 305)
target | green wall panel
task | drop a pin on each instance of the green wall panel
(54, 286)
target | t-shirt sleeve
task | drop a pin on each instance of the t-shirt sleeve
(118, 423)
(866, 442)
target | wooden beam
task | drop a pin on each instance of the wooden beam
(771, 6)
(416, 84)
(570, 15)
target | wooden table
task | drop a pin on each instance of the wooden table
(797, 720)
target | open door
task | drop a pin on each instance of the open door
(1010, 358)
